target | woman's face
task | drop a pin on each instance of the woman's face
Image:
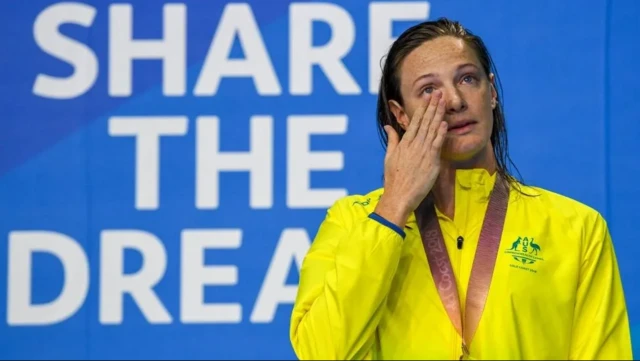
(447, 65)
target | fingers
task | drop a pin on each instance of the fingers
(441, 134)
(435, 123)
(429, 114)
(392, 138)
(414, 125)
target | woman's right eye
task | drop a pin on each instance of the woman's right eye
(428, 90)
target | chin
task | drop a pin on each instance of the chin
(462, 150)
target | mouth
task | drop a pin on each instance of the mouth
(462, 127)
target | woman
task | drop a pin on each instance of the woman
(454, 258)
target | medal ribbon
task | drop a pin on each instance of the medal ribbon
(483, 264)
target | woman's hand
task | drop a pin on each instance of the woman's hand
(412, 164)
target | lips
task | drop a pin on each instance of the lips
(461, 128)
(461, 124)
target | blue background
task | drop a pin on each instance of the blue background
(569, 75)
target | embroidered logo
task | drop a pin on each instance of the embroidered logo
(364, 204)
(526, 252)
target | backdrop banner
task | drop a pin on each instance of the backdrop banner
(164, 166)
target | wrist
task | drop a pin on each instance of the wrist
(393, 210)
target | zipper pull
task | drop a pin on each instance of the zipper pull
(465, 351)
(460, 242)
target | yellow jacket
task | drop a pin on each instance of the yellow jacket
(366, 290)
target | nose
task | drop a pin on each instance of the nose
(454, 100)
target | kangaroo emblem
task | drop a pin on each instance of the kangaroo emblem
(534, 247)
(514, 245)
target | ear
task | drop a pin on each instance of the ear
(494, 93)
(399, 113)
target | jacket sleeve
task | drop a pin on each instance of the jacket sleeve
(344, 280)
(601, 325)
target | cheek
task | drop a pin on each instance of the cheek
(484, 103)
(410, 109)
(483, 109)
(489, 119)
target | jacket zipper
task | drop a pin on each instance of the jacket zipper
(457, 339)
(460, 242)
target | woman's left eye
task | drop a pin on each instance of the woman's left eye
(468, 79)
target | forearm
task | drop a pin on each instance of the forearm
(337, 317)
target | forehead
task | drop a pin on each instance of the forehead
(438, 56)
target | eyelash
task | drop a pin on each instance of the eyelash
(473, 79)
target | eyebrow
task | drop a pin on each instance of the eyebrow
(432, 75)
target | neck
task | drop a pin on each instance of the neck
(444, 187)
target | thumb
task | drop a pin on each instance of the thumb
(393, 138)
